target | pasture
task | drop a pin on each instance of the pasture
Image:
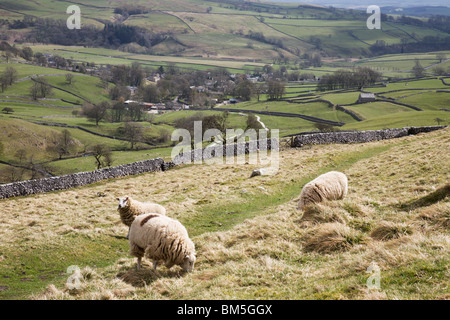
(251, 241)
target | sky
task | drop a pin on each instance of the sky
(366, 3)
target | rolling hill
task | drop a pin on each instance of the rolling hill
(225, 29)
(251, 241)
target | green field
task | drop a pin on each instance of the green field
(220, 30)
(252, 242)
(209, 35)
(374, 109)
(419, 93)
(401, 120)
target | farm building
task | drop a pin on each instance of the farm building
(366, 97)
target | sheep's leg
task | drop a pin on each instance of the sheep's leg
(155, 265)
(128, 235)
(139, 259)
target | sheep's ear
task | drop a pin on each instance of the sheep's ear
(118, 199)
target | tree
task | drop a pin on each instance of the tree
(316, 60)
(3, 82)
(34, 91)
(149, 93)
(275, 89)
(10, 75)
(441, 56)
(119, 92)
(344, 79)
(439, 120)
(245, 90)
(40, 88)
(102, 155)
(133, 133)
(63, 145)
(136, 74)
(439, 71)
(118, 111)
(7, 55)
(253, 123)
(135, 111)
(69, 78)
(259, 89)
(27, 53)
(418, 71)
(96, 112)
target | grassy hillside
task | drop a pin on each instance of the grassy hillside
(251, 241)
(221, 29)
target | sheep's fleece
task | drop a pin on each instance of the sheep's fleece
(329, 186)
(160, 238)
(130, 208)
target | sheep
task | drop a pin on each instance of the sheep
(160, 238)
(329, 186)
(130, 208)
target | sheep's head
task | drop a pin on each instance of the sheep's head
(188, 262)
(124, 202)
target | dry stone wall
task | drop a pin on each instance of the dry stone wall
(29, 187)
(358, 136)
(65, 182)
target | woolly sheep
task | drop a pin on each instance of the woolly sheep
(160, 238)
(130, 208)
(329, 186)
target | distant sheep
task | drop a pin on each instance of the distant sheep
(329, 186)
(161, 238)
(130, 208)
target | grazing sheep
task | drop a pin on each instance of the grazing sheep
(130, 208)
(160, 238)
(329, 186)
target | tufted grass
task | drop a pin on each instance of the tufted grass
(251, 244)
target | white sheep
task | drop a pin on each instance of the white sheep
(161, 238)
(329, 186)
(130, 208)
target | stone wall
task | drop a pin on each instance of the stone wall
(358, 136)
(29, 187)
(225, 150)
(25, 188)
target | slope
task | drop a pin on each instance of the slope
(251, 241)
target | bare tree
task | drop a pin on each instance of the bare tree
(439, 120)
(133, 133)
(8, 77)
(102, 155)
(63, 145)
(69, 78)
(96, 112)
(10, 74)
(441, 56)
(418, 71)
(40, 89)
